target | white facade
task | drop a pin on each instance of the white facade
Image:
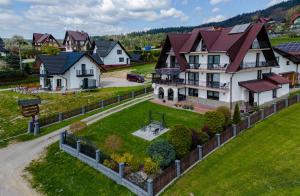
(117, 56)
(74, 77)
(286, 65)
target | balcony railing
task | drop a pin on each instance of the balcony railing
(175, 82)
(217, 85)
(200, 66)
(249, 65)
(260, 45)
(81, 73)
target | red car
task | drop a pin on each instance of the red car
(135, 78)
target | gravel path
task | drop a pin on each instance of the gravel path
(15, 157)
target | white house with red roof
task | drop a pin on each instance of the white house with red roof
(221, 66)
(77, 41)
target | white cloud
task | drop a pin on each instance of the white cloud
(198, 10)
(217, 18)
(215, 2)
(274, 2)
(5, 2)
(215, 10)
(172, 12)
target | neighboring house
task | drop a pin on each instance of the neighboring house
(112, 53)
(69, 70)
(3, 51)
(288, 57)
(39, 40)
(219, 67)
(77, 41)
(295, 22)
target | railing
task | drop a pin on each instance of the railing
(217, 85)
(200, 66)
(260, 45)
(249, 65)
(176, 82)
(89, 72)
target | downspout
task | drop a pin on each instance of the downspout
(65, 80)
(258, 100)
(297, 72)
(231, 91)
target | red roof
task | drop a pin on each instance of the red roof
(78, 35)
(277, 79)
(236, 45)
(294, 17)
(258, 86)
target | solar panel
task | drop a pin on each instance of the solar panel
(239, 28)
(290, 47)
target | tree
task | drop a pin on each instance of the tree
(226, 113)
(162, 152)
(180, 137)
(150, 166)
(50, 50)
(214, 120)
(198, 137)
(236, 115)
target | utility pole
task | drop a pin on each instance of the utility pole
(20, 57)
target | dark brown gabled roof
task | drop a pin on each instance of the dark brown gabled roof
(78, 35)
(235, 45)
(258, 86)
(43, 38)
(277, 79)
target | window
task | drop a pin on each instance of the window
(213, 60)
(259, 74)
(193, 92)
(193, 78)
(121, 59)
(119, 51)
(287, 62)
(275, 93)
(194, 59)
(213, 80)
(277, 59)
(83, 67)
(58, 82)
(213, 95)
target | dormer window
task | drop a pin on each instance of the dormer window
(119, 51)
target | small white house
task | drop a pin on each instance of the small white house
(69, 70)
(112, 53)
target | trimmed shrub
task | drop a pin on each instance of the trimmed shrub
(206, 129)
(198, 137)
(162, 152)
(215, 121)
(227, 115)
(236, 115)
(150, 166)
(113, 143)
(181, 139)
(110, 164)
(77, 126)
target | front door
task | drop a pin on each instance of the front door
(251, 98)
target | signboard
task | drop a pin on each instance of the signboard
(30, 107)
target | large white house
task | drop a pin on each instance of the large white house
(69, 70)
(221, 66)
(112, 53)
(288, 57)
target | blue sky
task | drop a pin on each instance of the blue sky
(100, 17)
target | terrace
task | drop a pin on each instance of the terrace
(202, 66)
(250, 65)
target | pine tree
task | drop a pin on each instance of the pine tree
(236, 115)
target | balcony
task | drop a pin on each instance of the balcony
(217, 85)
(83, 73)
(260, 45)
(250, 65)
(199, 66)
(175, 82)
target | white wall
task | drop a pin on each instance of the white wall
(251, 56)
(283, 65)
(113, 57)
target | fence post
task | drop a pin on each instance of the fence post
(121, 170)
(145, 90)
(97, 157)
(150, 187)
(286, 102)
(102, 104)
(132, 94)
(119, 98)
(83, 109)
(78, 147)
(36, 128)
(30, 126)
(60, 116)
(298, 97)
(218, 135)
(262, 114)
(200, 152)
(249, 121)
(234, 130)
(275, 107)
(177, 166)
(61, 139)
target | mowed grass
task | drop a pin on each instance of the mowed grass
(57, 173)
(264, 160)
(13, 123)
(284, 39)
(126, 122)
(144, 70)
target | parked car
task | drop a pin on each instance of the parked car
(135, 78)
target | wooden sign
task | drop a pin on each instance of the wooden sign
(30, 108)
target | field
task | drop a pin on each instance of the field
(144, 70)
(12, 123)
(262, 161)
(284, 39)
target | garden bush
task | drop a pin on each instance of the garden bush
(215, 121)
(206, 129)
(110, 164)
(150, 166)
(162, 152)
(226, 113)
(180, 138)
(113, 143)
(236, 115)
(77, 126)
(198, 137)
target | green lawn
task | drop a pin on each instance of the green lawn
(12, 122)
(144, 70)
(29, 80)
(126, 122)
(262, 161)
(284, 39)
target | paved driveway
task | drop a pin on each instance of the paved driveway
(117, 82)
